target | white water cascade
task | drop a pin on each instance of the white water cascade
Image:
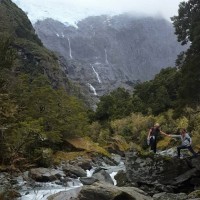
(47, 189)
(70, 50)
(106, 57)
(92, 89)
(97, 75)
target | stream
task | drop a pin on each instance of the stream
(41, 191)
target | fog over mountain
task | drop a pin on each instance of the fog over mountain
(104, 52)
(102, 48)
(72, 11)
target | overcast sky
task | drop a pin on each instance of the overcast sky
(74, 10)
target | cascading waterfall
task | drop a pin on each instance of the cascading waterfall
(70, 50)
(106, 56)
(92, 89)
(97, 75)
(63, 35)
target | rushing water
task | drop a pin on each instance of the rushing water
(92, 89)
(97, 75)
(40, 191)
(70, 50)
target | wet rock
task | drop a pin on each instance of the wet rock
(170, 196)
(185, 176)
(45, 174)
(10, 194)
(121, 178)
(88, 180)
(195, 194)
(71, 170)
(195, 181)
(156, 173)
(195, 162)
(99, 191)
(66, 195)
(86, 165)
(103, 176)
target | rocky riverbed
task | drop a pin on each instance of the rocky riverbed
(141, 177)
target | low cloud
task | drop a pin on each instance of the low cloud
(75, 10)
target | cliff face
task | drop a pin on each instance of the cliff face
(104, 52)
(32, 57)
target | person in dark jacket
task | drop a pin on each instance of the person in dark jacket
(152, 136)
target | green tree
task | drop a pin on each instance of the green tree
(187, 26)
(159, 94)
(116, 105)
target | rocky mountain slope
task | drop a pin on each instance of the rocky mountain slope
(103, 53)
(32, 57)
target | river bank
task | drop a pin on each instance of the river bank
(135, 176)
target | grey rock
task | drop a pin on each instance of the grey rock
(156, 173)
(170, 196)
(194, 194)
(121, 178)
(45, 174)
(103, 176)
(86, 164)
(88, 180)
(185, 176)
(66, 195)
(196, 163)
(99, 191)
(71, 170)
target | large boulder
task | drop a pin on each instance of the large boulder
(100, 191)
(103, 176)
(158, 173)
(121, 178)
(170, 196)
(194, 194)
(45, 174)
(85, 164)
(66, 195)
(88, 180)
(72, 171)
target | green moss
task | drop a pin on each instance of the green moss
(15, 21)
(195, 194)
(60, 156)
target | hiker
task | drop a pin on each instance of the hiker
(186, 142)
(152, 136)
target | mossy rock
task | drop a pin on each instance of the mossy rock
(195, 194)
(86, 144)
(60, 156)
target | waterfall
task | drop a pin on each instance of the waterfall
(97, 75)
(92, 89)
(106, 56)
(63, 35)
(70, 50)
(57, 35)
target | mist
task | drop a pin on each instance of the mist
(72, 11)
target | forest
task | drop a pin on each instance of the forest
(39, 109)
